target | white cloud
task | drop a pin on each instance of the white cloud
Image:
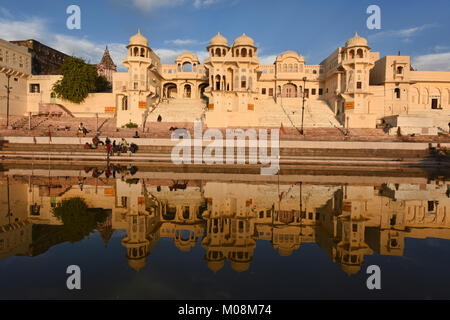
(440, 48)
(36, 28)
(432, 62)
(204, 3)
(406, 34)
(90, 51)
(149, 5)
(182, 42)
(31, 28)
(168, 56)
(268, 59)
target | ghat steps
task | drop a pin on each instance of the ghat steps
(317, 114)
(180, 110)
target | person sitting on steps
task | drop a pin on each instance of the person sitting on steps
(82, 130)
(96, 141)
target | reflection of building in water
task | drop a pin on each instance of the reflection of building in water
(15, 228)
(347, 222)
(138, 241)
(230, 226)
(105, 229)
(180, 219)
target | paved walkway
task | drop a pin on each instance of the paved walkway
(67, 127)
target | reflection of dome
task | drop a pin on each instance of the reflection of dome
(240, 266)
(139, 39)
(356, 41)
(218, 40)
(284, 252)
(183, 245)
(215, 266)
(350, 269)
(137, 264)
(244, 40)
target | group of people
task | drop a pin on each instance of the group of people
(112, 148)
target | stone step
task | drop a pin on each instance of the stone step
(67, 150)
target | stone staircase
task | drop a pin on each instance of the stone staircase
(439, 118)
(317, 115)
(181, 110)
(20, 123)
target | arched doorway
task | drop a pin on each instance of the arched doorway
(218, 83)
(187, 91)
(359, 53)
(415, 96)
(229, 84)
(435, 97)
(170, 90)
(125, 103)
(289, 91)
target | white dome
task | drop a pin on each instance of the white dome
(356, 41)
(244, 40)
(218, 40)
(139, 39)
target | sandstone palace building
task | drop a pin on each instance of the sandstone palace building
(352, 88)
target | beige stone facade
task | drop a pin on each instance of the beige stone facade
(15, 64)
(351, 88)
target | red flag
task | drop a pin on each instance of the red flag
(281, 195)
(34, 140)
(282, 129)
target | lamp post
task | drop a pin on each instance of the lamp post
(8, 90)
(303, 105)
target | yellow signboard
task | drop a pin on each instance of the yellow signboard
(142, 105)
(109, 192)
(110, 109)
(211, 106)
(251, 107)
(350, 105)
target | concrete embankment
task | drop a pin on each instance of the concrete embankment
(334, 153)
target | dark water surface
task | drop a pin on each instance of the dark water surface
(147, 235)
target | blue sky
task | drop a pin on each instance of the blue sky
(312, 28)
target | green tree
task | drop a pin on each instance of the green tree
(78, 219)
(101, 84)
(79, 78)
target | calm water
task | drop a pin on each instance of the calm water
(147, 235)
